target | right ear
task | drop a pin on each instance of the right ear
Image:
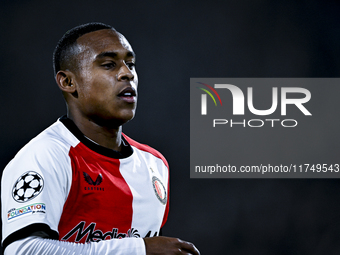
(65, 81)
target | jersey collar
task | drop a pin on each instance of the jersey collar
(124, 153)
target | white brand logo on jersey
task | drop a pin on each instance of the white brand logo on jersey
(159, 189)
(28, 186)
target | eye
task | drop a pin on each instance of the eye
(109, 65)
(131, 65)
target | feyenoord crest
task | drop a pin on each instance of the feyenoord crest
(28, 186)
(159, 189)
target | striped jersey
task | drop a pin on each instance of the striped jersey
(75, 190)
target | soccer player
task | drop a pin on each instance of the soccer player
(82, 186)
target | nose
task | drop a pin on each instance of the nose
(125, 73)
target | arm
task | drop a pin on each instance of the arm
(39, 246)
(153, 245)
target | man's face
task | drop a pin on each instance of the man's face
(106, 81)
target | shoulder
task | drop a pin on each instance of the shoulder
(55, 138)
(146, 148)
(48, 148)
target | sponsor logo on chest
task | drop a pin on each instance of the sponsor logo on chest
(95, 235)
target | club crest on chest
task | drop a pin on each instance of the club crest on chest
(159, 190)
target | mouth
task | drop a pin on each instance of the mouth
(128, 94)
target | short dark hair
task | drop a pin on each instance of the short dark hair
(63, 53)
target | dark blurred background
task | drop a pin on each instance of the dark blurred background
(176, 40)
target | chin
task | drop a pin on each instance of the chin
(124, 118)
(128, 118)
(112, 121)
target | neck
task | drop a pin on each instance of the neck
(109, 137)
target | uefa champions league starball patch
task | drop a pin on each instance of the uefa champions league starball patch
(28, 186)
(159, 189)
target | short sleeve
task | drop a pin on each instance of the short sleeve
(34, 188)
